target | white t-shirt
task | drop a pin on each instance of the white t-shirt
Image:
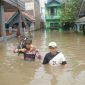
(58, 59)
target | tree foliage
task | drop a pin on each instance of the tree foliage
(70, 9)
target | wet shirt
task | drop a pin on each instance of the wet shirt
(31, 54)
(60, 59)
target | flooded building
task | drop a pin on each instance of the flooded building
(52, 14)
(80, 22)
(9, 6)
(13, 18)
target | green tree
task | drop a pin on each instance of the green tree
(70, 9)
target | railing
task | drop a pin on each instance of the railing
(11, 1)
(17, 3)
(21, 4)
(52, 17)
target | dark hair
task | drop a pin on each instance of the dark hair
(28, 42)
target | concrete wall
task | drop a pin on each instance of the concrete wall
(29, 6)
(8, 15)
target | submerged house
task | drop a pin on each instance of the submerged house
(52, 14)
(80, 22)
(5, 7)
(13, 18)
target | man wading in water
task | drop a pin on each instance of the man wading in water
(54, 57)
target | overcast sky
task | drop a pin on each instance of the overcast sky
(42, 2)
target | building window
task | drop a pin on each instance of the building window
(53, 11)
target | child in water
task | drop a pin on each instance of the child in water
(29, 51)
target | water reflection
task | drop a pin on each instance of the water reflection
(47, 75)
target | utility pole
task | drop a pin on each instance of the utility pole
(20, 18)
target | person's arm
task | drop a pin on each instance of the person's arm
(63, 60)
(22, 50)
(38, 55)
(45, 61)
(19, 50)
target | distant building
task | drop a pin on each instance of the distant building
(52, 14)
(33, 8)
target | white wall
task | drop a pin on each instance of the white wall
(29, 6)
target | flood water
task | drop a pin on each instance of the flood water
(15, 71)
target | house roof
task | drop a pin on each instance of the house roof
(80, 20)
(53, 1)
(30, 17)
(14, 19)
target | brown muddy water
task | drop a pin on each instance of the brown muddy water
(15, 71)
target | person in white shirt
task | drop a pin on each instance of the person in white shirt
(54, 57)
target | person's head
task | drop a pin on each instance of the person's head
(53, 47)
(28, 44)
